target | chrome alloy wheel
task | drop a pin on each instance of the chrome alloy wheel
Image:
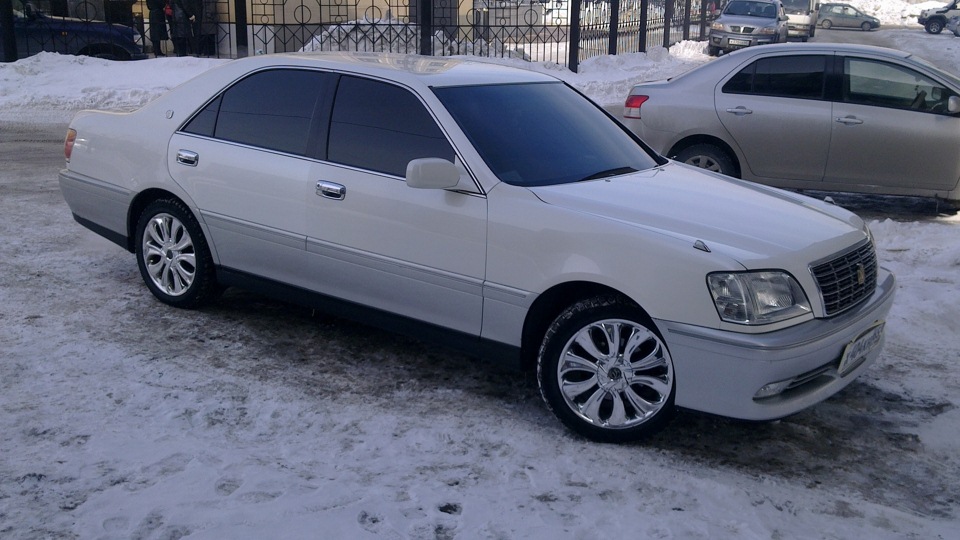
(615, 374)
(169, 254)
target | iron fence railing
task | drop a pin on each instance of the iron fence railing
(562, 31)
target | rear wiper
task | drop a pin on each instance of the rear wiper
(609, 172)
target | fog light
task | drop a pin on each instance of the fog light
(772, 389)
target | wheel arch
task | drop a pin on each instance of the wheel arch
(548, 306)
(137, 206)
(105, 50)
(692, 140)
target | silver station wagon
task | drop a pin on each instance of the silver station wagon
(827, 117)
(496, 211)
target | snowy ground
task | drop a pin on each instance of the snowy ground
(123, 418)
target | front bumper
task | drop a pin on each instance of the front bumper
(730, 41)
(798, 30)
(720, 372)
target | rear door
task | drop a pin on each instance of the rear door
(776, 112)
(247, 160)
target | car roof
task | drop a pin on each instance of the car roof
(795, 47)
(415, 70)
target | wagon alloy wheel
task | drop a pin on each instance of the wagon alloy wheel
(173, 256)
(606, 375)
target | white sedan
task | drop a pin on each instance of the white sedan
(493, 210)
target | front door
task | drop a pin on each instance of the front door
(374, 240)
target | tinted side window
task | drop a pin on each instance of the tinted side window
(270, 109)
(783, 76)
(382, 127)
(870, 82)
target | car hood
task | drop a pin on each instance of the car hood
(747, 222)
(740, 20)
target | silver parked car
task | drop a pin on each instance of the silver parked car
(744, 23)
(846, 16)
(829, 117)
(381, 187)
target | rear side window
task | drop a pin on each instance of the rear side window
(382, 127)
(782, 76)
(269, 109)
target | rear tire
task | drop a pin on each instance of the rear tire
(826, 24)
(173, 255)
(708, 156)
(604, 370)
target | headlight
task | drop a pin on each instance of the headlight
(716, 26)
(757, 297)
(767, 30)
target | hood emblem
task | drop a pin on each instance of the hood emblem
(701, 246)
(861, 274)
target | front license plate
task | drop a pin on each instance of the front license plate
(741, 42)
(857, 350)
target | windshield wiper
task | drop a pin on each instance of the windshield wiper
(609, 172)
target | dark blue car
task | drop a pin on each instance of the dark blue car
(36, 31)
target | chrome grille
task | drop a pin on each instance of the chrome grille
(742, 29)
(848, 279)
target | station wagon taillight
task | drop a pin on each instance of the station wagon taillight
(631, 109)
(68, 143)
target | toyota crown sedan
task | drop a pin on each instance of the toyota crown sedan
(831, 117)
(496, 211)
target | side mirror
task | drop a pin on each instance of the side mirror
(953, 104)
(432, 173)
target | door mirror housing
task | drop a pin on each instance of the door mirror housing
(953, 104)
(432, 173)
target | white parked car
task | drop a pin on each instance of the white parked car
(495, 210)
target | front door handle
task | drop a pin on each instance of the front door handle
(331, 190)
(186, 157)
(849, 120)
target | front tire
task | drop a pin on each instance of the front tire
(709, 157)
(605, 372)
(826, 24)
(866, 27)
(173, 255)
(934, 26)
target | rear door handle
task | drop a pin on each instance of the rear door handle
(849, 120)
(739, 110)
(331, 190)
(186, 157)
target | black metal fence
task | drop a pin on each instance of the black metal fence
(562, 31)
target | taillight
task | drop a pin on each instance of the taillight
(631, 109)
(68, 143)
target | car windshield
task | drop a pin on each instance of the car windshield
(538, 134)
(765, 10)
(796, 6)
